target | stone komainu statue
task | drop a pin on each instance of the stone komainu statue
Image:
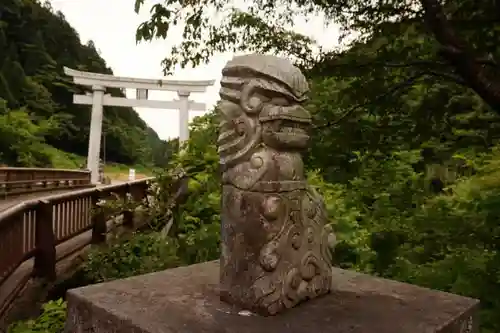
(275, 241)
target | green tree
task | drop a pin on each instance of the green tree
(21, 139)
(37, 43)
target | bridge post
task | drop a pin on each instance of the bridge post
(128, 213)
(99, 227)
(45, 256)
(128, 219)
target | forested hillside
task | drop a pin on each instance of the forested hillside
(38, 119)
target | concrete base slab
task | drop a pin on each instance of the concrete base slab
(186, 300)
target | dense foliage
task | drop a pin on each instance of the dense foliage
(135, 254)
(37, 116)
(51, 320)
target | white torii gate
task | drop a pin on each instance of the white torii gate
(99, 83)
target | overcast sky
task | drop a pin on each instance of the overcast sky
(111, 24)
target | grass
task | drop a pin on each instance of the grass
(115, 171)
(120, 172)
(63, 160)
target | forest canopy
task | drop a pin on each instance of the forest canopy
(39, 123)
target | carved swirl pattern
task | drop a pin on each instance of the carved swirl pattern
(295, 266)
(275, 238)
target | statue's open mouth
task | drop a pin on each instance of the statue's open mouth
(289, 124)
(286, 132)
(291, 128)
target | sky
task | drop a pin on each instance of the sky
(111, 24)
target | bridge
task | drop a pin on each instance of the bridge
(21, 184)
(47, 215)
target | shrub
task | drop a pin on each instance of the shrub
(51, 320)
(136, 254)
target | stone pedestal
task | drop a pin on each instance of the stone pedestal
(186, 300)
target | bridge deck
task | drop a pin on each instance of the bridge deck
(9, 202)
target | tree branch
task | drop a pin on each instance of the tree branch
(413, 63)
(460, 55)
(449, 77)
(407, 83)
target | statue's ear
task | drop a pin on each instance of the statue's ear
(250, 100)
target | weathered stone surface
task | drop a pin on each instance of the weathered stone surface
(275, 241)
(186, 300)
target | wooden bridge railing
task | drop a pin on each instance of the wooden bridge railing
(33, 229)
(15, 181)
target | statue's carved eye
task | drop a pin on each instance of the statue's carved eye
(261, 96)
(254, 102)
